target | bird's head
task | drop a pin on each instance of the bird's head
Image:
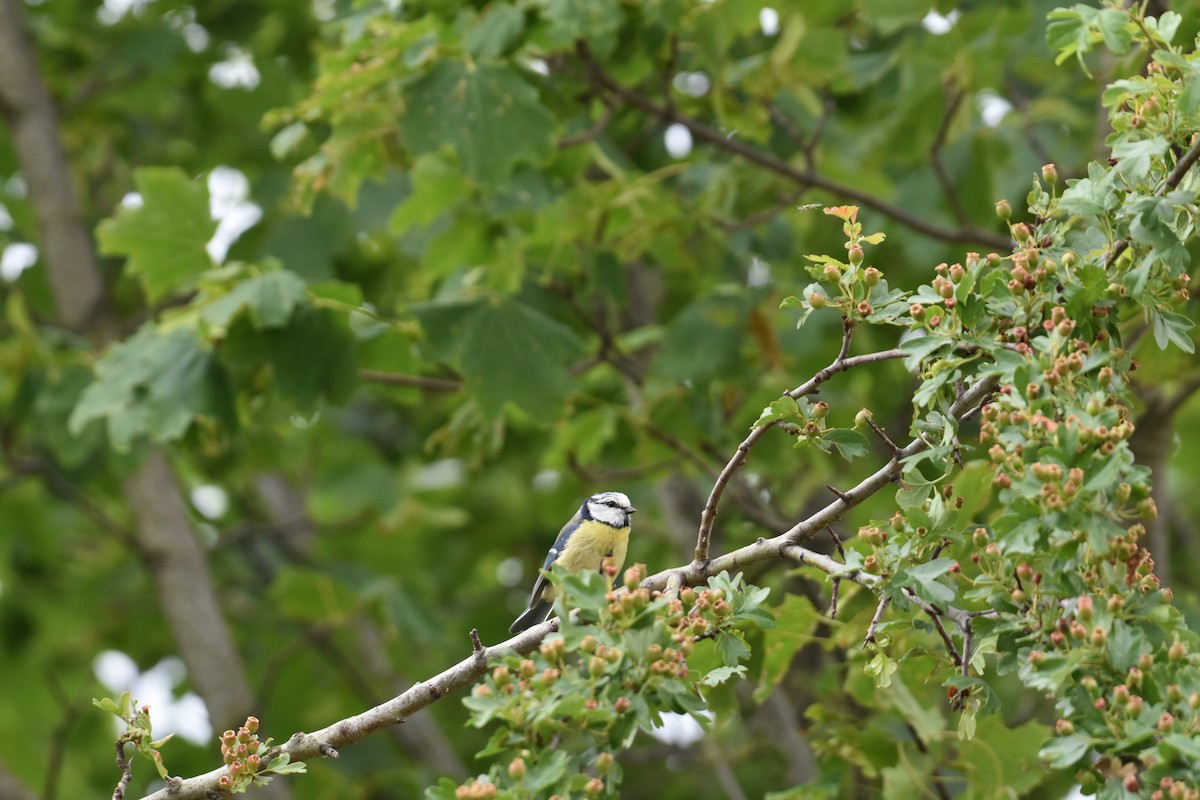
(611, 508)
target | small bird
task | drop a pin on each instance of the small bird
(597, 535)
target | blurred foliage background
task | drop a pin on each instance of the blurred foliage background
(387, 289)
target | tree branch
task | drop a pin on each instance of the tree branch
(326, 741)
(806, 177)
(839, 364)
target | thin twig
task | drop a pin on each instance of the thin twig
(476, 645)
(1181, 168)
(414, 381)
(954, 98)
(941, 629)
(126, 771)
(839, 364)
(591, 133)
(887, 440)
(875, 620)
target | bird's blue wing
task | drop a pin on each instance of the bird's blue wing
(559, 545)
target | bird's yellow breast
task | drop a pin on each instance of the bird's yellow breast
(594, 544)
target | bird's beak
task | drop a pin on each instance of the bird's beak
(631, 509)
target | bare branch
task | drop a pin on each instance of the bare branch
(884, 602)
(1181, 168)
(954, 98)
(941, 629)
(840, 364)
(326, 741)
(126, 771)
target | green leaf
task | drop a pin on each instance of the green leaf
(496, 32)
(1167, 25)
(881, 668)
(485, 111)
(795, 620)
(514, 353)
(1133, 158)
(704, 341)
(732, 647)
(1066, 751)
(594, 21)
(785, 408)
(269, 298)
(312, 356)
(437, 187)
(154, 384)
(1172, 328)
(850, 443)
(164, 239)
(923, 580)
(722, 674)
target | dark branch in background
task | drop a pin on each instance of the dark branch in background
(413, 381)
(58, 738)
(1022, 105)
(954, 98)
(589, 134)
(805, 177)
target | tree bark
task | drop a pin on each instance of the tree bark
(165, 537)
(66, 246)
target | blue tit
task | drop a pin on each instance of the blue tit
(598, 535)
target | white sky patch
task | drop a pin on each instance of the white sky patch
(194, 35)
(228, 191)
(992, 108)
(113, 11)
(6, 220)
(547, 480)
(678, 140)
(759, 273)
(17, 257)
(939, 24)
(186, 716)
(537, 65)
(132, 200)
(768, 20)
(445, 473)
(210, 500)
(237, 71)
(680, 730)
(693, 84)
(510, 572)
(324, 10)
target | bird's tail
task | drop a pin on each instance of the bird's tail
(531, 616)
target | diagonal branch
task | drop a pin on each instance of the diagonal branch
(806, 177)
(328, 740)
